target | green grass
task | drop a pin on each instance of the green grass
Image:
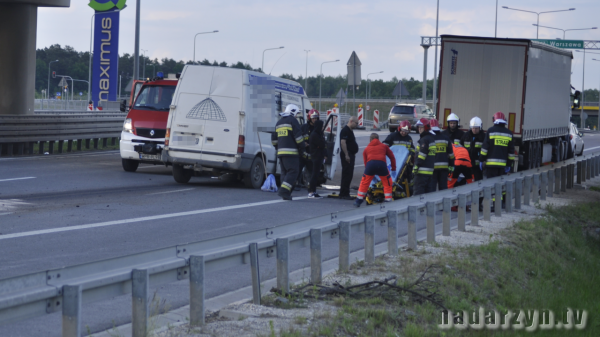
(552, 263)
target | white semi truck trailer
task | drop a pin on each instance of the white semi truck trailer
(528, 81)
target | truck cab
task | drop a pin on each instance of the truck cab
(143, 135)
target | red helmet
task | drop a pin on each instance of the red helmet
(434, 123)
(425, 123)
(313, 113)
(499, 115)
(404, 125)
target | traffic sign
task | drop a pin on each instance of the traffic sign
(354, 69)
(80, 93)
(340, 98)
(62, 83)
(368, 107)
(564, 44)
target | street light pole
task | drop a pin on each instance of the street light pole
(538, 15)
(367, 88)
(435, 62)
(306, 74)
(214, 31)
(496, 27)
(321, 78)
(144, 70)
(48, 93)
(263, 58)
(598, 123)
(565, 30)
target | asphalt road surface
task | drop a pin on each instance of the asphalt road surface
(43, 197)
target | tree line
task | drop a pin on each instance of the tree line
(76, 65)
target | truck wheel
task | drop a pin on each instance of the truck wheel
(130, 165)
(182, 175)
(256, 176)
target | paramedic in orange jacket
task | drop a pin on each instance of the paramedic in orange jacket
(375, 165)
(462, 164)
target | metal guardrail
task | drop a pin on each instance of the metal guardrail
(65, 289)
(73, 105)
(18, 133)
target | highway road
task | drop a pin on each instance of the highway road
(70, 209)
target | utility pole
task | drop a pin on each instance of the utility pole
(136, 48)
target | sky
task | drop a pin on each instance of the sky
(385, 34)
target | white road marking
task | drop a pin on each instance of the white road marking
(146, 218)
(16, 179)
(185, 189)
(11, 204)
(155, 166)
(591, 148)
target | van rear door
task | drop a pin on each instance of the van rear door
(333, 144)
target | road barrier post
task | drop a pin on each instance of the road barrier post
(71, 311)
(544, 185)
(283, 272)
(61, 143)
(392, 220)
(509, 196)
(536, 188)
(518, 192)
(412, 227)
(526, 190)
(563, 179)
(462, 212)
(498, 199)
(550, 183)
(197, 290)
(316, 271)
(487, 203)
(446, 216)
(430, 206)
(588, 172)
(570, 175)
(344, 263)
(255, 272)
(474, 208)
(557, 174)
(369, 239)
(139, 299)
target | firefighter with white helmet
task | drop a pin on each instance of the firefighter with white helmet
(290, 146)
(452, 131)
(498, 149)
(472, 140)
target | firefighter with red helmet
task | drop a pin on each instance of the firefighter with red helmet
(401, 137)
(425, 161)
(444, 158)
(306, 128)
(498, 150)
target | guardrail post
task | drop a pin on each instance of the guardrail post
(255, 270)
(61, 143)
(104, 142)
(114, 141)
(550, 180)
(316, 274)
(283, 275)
(41, 147)
(570, 175)
(579, 172)
(446, 217)
(593, 168)
(430, 207)
(498, 199)
(20, 147)
(70, 145)
(71, 311)
(30, 148)
(526, 190)
(487, 203)
(79, 143)
(197, 290)
(139, 300)
(536, 188)
(9, 149)
(518, 192)
(474, 208)
(412, 227)
(544, 185)
(344, 263)
(508, 201)
(563, 178)
(462, 212)
(597, 164)
(588, 170)
(557, 174)
(95, 143)
(369, 239)
(51, 147)
(392, 220)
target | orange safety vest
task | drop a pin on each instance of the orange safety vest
(461, 156)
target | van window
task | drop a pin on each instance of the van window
(427, 110)
(155, 98)
(402, 110)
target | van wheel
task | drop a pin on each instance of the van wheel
(182, 175)
(256, 176)
(130, 165)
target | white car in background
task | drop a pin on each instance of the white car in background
(576, 140)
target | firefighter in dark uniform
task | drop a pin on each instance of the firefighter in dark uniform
(290, 146)
(498, 149)
(444, 158)
(401, 137)
(453, 132)
(307, 128)
(424, 164)
(472, 141)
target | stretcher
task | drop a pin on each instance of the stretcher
(402, 178)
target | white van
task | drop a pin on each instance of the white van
(221, 120)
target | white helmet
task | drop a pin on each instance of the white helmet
(476, 122)
(292, 109)
(452, 118)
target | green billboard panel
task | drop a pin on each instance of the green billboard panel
(564, 44)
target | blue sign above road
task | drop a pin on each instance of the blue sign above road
(106, 57)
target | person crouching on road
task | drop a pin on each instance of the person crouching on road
(290, 144)
(375, 165)
(318, 153)
(462, 165)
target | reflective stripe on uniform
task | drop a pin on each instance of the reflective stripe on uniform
(286, 186)
(425, 170)
(422, 155)
(484, 151)
(495, 160)
(286, 151)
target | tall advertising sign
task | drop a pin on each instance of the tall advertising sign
(105, 68)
